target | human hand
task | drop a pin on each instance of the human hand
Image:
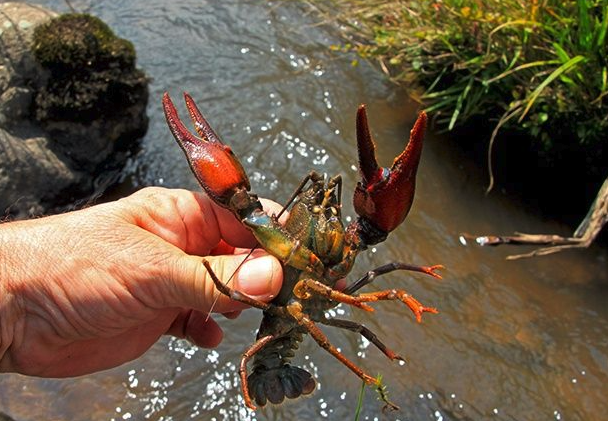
(92, 289)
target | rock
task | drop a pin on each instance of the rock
(30, 175)
(17, 23)
(15, 101)
(71, 103)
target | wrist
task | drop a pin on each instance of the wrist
(10, 268)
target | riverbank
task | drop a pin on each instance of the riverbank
(522, 86)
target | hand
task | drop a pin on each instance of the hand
(92, 289)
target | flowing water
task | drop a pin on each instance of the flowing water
(524, 340)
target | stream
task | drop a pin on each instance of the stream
(513, 340)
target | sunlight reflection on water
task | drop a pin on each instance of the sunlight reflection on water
(525, 341)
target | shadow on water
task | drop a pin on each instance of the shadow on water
(519, 340)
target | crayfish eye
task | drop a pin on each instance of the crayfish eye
(386, 173)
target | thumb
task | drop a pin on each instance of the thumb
(258, 276)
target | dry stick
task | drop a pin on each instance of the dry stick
(584, 235)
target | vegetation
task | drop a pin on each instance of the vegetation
(78, 40)
(91, 69)
(537, 66)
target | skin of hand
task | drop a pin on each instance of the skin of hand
(92, 289)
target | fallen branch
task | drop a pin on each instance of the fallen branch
(584, 235)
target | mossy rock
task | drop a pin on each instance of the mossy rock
(75, 41)
(91, 69)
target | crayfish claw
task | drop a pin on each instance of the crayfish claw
(216, 168)
(184, 138)
(384, 196)
(370, 171)
(202, 127)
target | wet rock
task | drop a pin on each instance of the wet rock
(31, 175)
(15, 102)
(72, 103)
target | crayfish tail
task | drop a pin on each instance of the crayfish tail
(276, 384)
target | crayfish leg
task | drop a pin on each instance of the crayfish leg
(304, 320)
(306, 287)
(398, 294)
(366, 333)
(370, 276)
(234, 294)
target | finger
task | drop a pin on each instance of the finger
(191, 220)
(198, 328)
(233, 232)
(182, 218)
(273, 208)
(189, 285)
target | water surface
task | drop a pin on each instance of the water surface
(523, 340)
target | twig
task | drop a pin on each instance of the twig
(587, 231)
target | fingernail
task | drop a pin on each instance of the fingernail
(255, 277)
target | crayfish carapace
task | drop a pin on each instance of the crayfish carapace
(315, 248)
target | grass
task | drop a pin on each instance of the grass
(360, 401)
(532, 66)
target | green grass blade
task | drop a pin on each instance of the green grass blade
(585, 35)
(560, 52)
(554, 75)
(459, 103)
(522, 67)
(601, 36)
(360, 401)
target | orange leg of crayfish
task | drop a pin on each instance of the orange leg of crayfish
(303, 320)
(398, 294)
(305, 287)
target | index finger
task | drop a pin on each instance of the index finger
(233, 231)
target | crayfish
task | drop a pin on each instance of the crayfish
(314, 246)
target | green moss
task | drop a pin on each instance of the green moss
(74, 41)
(91, 70)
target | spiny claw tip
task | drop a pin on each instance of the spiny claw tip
(422, 310)
(431, 271)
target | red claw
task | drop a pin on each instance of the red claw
(384, 196)
(216, 168)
